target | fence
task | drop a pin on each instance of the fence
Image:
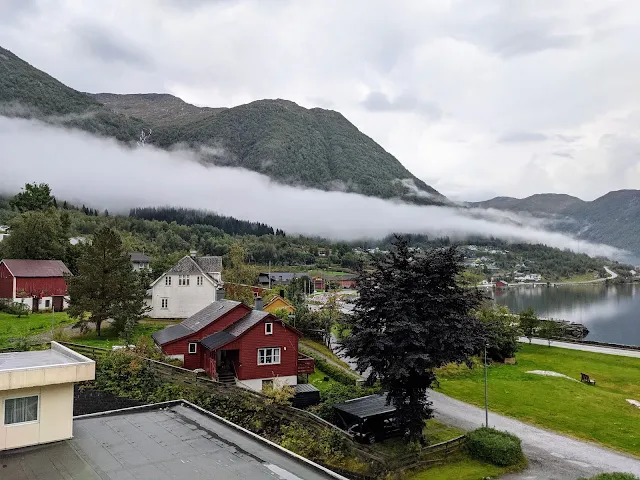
(431, 455)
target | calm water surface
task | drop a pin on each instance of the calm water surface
(611, 313)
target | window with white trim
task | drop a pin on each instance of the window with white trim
(164, 303)
(167, 281)
(268, 328)
(269, 356)
(193, 347)
(199, 280)
(21, 410)
(183, 280)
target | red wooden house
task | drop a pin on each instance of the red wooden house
(35, 283)
(235, 344)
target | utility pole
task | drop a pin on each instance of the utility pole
(486, 397)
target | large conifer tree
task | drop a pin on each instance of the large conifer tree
(413, 316)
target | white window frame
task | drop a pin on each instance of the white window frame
(275, 353)
(195, 347)
(199, 280)
(167, 281)
(268, 328)
(164, 303)
(4, 409)
(183, 280)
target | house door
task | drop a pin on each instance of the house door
(35, 304)
(58, 303)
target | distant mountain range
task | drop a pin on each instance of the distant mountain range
(315, 147)
(613, 219)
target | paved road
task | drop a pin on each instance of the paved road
(585, 347)
(551, 456)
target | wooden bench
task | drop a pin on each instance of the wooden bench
(584, 378)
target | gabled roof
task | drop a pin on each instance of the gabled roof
(195, 322)
(189, 265)
(279, 298)
(139, 257)
(36, 268)
(245, 323)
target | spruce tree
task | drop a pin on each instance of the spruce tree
(106, 287)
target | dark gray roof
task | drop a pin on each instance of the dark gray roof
(210, 264)
(364, 407)
(209, 314)
(139, 257)
(169, 334)
(217, 340)
(305, 388)
(178, 441)
(246, 322)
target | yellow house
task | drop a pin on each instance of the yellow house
(278, 303)
(36, 394)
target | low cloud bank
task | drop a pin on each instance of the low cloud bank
(102, 173)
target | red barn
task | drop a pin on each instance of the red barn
(35, 283)
(235, 344)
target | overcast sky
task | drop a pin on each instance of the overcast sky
(476, 97)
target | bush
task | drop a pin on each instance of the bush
(327, 445)
(500, 448)
(613, 476)
(14, 308)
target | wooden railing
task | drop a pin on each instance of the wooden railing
(306, 364)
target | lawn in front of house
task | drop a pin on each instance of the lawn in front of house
(109, 337)
(597, 413)
(13, 328)
(317, 380)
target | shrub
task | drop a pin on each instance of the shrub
(327, 445)
(279, 392)
(500, 448)
(14, 308)
(613, 476)
(124, 374)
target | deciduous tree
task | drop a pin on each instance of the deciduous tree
(33, 197)
(501, 333)
(550, 330)
(106, 287)
(36, 235)
(412, 316)
(529, 322)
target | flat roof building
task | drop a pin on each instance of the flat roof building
(36, 394)
(160, 442)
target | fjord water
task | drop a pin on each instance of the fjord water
(611, 313)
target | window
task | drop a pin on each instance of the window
(268, 328)
(164, 303)
(167, 281)
(199, 280)
(47, 303)
(21, 410)
(268, 356)
(193, 347)
(183, 280)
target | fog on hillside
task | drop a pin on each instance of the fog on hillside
(104, 174)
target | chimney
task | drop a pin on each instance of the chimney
(282, 293)
(220, 294)
(258, 303)
(193, 253)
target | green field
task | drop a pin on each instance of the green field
(324, 350)
(109, 337)
(597, 413)
(460, 468)
(12, 327)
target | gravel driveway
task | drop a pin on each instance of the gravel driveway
(551, 456)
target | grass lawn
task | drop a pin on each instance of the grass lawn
(12, 327)
(110, 338)
(317, 380)
(434, 432)
(460, 468)
(583, 277)
(324, 350)
(597, 413)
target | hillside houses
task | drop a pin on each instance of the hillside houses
(186, 288)
(37, 284)
(233, 343)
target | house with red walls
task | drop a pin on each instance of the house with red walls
(233, 343)
(38, 284)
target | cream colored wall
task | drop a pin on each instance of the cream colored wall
(55, 417)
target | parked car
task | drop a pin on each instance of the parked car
(376, 429)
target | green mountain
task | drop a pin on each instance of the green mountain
(613, 219)
(27, 92)
(313, 148)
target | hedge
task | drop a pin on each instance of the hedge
(491, 445)
(338, 374)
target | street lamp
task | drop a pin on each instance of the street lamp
(486, 397)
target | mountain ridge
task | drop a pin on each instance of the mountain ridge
(313, 148)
